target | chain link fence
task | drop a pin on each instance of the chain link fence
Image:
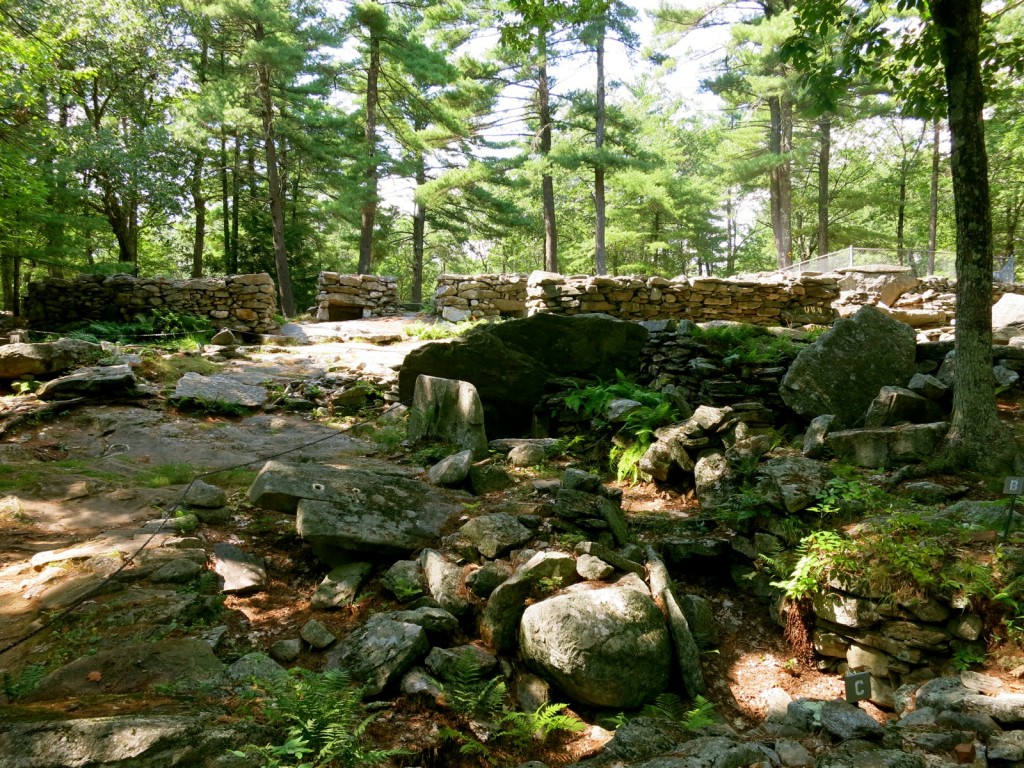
(941, 263)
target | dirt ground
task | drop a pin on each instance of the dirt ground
(96, 470)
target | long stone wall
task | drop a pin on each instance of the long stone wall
(353, 297)
(764, 300)
(471, 297)
(239, 302)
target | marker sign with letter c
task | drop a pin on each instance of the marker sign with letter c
(858, 686)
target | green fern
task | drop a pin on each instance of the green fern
(668, 706)
(538, 725)
(323, 718)
(469, 694)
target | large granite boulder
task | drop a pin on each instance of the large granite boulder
(449, 410)
(342, 512)
(1008, 317)
(886, 281)
(842, 372)
(603, 647)
(510, 363)
(47, 358)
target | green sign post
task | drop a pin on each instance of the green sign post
(1014, 487)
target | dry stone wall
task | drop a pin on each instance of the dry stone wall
(763, 300)
(471, 297)
(353, 297)
(240, 302)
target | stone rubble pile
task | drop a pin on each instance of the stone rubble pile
(240, 302)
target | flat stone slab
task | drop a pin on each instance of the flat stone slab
(886, 446)
(220, 390)
(242, 573)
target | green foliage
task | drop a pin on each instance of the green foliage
(747, 344)
(22, 684)
(468, 694)
(840, 490)
(162, 327)
(818, 555)
(637, 432)
(441, 329)
(322, 720)
(967, 656)
(389, 436)
(669, 706)
(163, 475)
(522, 728)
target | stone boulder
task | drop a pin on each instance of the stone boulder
(795, 481)
(494, 535)
(219, 390)
(842, 372)
(448, 410)
(379, 652)
(345, 511)
(47, 358)
(106, 382)
(895, 405)
(887, 446)
(603, 647)
(510, 363)
(1008, 317)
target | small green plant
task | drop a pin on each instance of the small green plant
(24, 387)
(467, 693)
(967, 656)
(818, 554)
(637, 432)
(524, 727)
(185, 521)
(323, 723)
(747, 344)
(669, 706)
(548, 584)
(22, 684)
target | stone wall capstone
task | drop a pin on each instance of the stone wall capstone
(353, 297)
(239, 302)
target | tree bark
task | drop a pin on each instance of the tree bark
(199, 202)
(901, 210)
(824, 160)
(276, 189)
(547, 184)
(976, 438)
(599, 204)
(368, 213)
(419, 233)
(933, 205)
(780, 183)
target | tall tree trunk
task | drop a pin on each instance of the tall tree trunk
(824, 160)
(419, 231)
(547, 183)
(780, 183)
(599, 205)
(199, 202)
(284, 278)
(225, 203)
(57, 194)
(901, 210)
(198, 198)
(236, 199)
(10, 276)
(976, 438)
(368, 213)
(933, 206)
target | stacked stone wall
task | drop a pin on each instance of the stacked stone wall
(240, 302)
(759, 299)
(351, 297)
(471, 297)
